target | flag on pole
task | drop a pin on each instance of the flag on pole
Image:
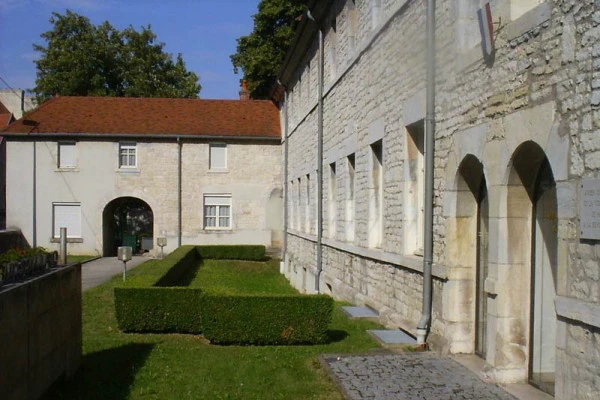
(487, 28)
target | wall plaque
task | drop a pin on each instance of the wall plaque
(589, 209)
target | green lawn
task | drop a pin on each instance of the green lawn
(172, 366)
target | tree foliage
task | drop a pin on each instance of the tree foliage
(82, 59)
(261, 53)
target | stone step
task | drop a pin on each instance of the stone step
(392, 338)
(367, 313)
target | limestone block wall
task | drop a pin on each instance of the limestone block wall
(517, 123)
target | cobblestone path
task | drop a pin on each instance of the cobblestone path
(408, 376)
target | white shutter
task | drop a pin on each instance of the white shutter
(217, 200)
(66, 155)
(67, 215)
(218, 156)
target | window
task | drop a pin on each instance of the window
(376, 195)
(299, 206)
(218, 156)
(332, 199)
(519, 7)
(414, 188)
(217, 212)
(127, 155)
(66, 155)
(332, 55)
(375, 13)
(307, 215)
(351, 189)
(66, 215)
(352, 16)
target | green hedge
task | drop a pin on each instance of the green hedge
(262, 320)
(147, 302)
(237, 252)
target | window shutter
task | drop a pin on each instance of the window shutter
(67, 215)
(218, 156)
(66, 155)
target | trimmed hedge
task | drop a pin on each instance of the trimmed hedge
(238, 252)
(147, 302)
(301, 319)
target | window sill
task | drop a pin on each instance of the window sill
(69, 240)
(67, 169)
(128, 171)
(218, 230)
(528, 21)
(218, 171)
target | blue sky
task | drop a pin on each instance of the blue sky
(204, 31)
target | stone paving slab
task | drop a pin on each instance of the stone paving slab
(408, 376)
(360, 312)
(98, 271)
(391, 337)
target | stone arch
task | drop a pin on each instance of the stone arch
(464, 253)
(526, 317)
(274, 216)
(127, 221)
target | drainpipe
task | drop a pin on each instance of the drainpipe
(425, 321)
(179, 145)
(34, 211)
(319, 159)
(285, 177)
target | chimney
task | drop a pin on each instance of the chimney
(244, 93)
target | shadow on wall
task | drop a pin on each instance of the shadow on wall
(106, 374)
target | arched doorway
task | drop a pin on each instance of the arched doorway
(532, 231)
(473, 227)
(127, 221)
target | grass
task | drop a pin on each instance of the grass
(171, 366)
(82, 258)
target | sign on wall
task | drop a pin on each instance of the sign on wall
(589, 209)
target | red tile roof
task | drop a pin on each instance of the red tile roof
(140, 116)
(5, 119)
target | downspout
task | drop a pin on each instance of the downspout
(34, 195)
(285, 177)
(319, 159)
(179, 145)
(425, 321)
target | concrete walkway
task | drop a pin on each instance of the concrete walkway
(94, 273)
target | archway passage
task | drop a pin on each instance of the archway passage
(473, 218)
(533, 226)
(127, 221)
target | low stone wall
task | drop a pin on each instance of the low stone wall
(40, 332)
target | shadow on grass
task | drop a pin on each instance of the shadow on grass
(189, 275)
(335, 335)
(106, 374)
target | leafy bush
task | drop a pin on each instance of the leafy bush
(19, 253)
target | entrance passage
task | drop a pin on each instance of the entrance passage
(127, 221)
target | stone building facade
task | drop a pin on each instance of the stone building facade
(192, 171)
(516, 273)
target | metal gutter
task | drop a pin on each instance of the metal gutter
(179, 190)
(137, 136)
(320, 164)
(34, 198)
(285, 177)
(425, 322)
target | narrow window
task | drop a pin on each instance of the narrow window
(66, 215)
(127, 155)
(299, 205)
(307, 211)
(352, 17)
(375, 13)
(218, 156)
(217, 211)
(333, 50)
(291, 205)
(66, 155)
(415, 188)
(350, 189)
(519, 7)
(332, 200)
(375, 226)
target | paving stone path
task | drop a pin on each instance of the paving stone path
(408, 376)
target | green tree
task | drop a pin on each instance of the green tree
(81, 59)
(260, 54)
